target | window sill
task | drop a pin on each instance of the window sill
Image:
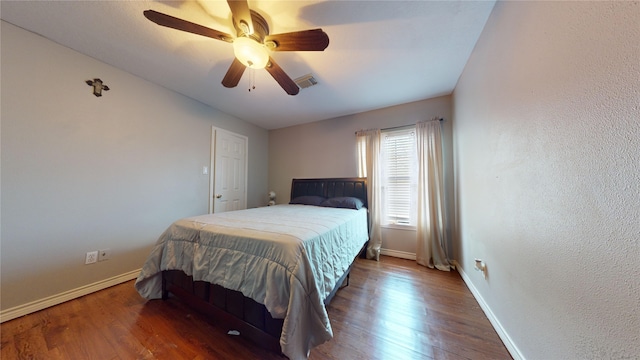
(399, 227)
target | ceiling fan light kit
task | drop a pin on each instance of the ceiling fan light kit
(253, 43)
(250, 53)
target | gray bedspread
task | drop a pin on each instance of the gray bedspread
(287, 257)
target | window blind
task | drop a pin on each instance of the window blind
(398, 150)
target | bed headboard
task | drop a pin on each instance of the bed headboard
(330, 187)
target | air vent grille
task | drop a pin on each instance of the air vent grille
(306, 81)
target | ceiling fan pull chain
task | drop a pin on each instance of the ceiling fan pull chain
(252, 81)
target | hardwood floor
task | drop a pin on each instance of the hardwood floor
(392, 309)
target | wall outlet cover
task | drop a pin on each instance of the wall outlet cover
(91, 257)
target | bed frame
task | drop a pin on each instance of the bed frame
(241, 313)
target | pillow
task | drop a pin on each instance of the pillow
(345, 202)
(308, 200)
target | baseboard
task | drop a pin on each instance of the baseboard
(502, 333)
(28, 308)
(398, 254)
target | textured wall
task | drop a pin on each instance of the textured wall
(81, 173)
(547, 153)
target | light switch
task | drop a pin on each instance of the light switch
(205, 170)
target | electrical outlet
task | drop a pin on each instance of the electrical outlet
(104, 254)
(92, 256)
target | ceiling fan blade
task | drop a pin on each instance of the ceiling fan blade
(232, 78)
(306, 40)
(184, 25)
(241, 15)
(282, 78)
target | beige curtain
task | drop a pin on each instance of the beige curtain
(368, 142)
(431, 230)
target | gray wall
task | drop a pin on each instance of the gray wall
(328, 149)
(82, 173)
(547, 153)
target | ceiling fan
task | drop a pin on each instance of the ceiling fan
(253, 42)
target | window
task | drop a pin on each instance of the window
(399, 184)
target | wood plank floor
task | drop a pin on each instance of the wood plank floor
(392, 309)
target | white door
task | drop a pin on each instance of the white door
(229, 175)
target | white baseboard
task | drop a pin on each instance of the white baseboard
(398, 254)
(506, 339)
(31, 307)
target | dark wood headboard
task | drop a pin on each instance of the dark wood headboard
(330, 187)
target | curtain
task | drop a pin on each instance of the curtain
(368, 143)
(431, 226)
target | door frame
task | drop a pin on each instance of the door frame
(212, 165)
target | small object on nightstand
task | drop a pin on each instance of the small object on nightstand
(272, 198)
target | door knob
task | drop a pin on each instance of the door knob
(218, 196)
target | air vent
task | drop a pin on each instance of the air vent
(306, 81)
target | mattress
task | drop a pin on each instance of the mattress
(287, 257)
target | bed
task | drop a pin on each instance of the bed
(269, 272)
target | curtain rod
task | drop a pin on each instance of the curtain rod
(404, 126)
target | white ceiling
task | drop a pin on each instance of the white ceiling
(381, 53)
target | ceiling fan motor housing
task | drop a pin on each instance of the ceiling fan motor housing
(260, 27)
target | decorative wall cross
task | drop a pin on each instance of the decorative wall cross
(97, 86)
